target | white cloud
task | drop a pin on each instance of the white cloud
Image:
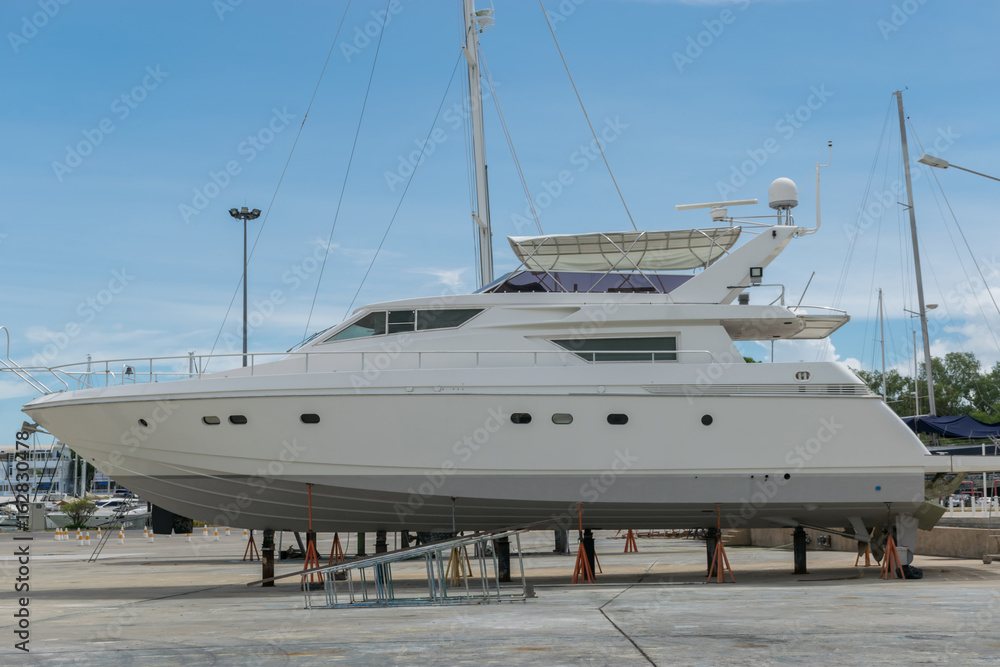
(451, 278)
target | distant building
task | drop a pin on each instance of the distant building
(49, 467)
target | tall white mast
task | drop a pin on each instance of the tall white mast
(916, 258)
(474, 23)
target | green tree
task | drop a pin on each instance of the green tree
(78, 511)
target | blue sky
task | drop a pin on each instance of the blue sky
(186, 109)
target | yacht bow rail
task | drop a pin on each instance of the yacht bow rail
(118, 372)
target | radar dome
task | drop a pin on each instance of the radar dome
(783, 194)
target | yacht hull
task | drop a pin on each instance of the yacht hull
(395, 458)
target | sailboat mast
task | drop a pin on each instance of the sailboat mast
(481, 216)
(916, 257)
(881, 323)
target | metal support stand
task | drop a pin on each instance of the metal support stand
(267, 558)
(380, 542)
(711, 540)
(799, 549)
(562, 542)
(502, 548)
(588, 545)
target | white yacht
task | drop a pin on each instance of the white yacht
(567, 381)
(603, 371)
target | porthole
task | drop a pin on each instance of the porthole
(237, 419)
(143, 423)
(562, 418)
(787, 476)
(520, 418)
(617, 419)
(309, 418)
(211, 421)
(706, 420)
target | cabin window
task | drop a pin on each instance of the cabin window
(520, 418)
(562, 418)
(617, 419)
(661, 348)
(401, 321)
(309, 418)
(445, 318)
(372, 324)
(143, 423)
(211, 421)
(237, 419)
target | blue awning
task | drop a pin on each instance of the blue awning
(953, 427)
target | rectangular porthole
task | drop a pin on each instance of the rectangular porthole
(309, 418)
(562, 418)
(617, 419)
(520, 418)
(237, 419)
(211, 421)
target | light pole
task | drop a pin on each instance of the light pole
(245, 214)
(932, 161)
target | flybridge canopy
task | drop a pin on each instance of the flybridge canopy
(625, 251)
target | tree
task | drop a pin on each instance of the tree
(78, 511)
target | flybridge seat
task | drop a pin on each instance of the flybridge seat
(614, 261)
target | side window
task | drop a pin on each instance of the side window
(401, 320)
(445, 318)
(372, 324)
(622, 349)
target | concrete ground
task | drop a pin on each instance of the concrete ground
(178, 603)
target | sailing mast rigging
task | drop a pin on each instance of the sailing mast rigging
(475, 22)
(922, 310)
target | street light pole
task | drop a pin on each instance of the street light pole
(245, 214)
(932, 161)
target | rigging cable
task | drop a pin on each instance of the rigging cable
(510, 142)
(967, 247)
(824, 348)
(584, 109)
(280, 180)
(343, 186)
(409, 180)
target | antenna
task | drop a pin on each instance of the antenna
(719, 212)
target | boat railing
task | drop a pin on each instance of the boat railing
(94, 374)
(827, 310)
